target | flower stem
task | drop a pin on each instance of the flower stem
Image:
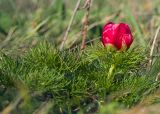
(110, 73)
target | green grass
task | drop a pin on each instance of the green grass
(79, 79)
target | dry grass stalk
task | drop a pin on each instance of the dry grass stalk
(153, 46)
(70, 23)
(85, 23)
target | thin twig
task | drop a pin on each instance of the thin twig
(8, 38)
(98, 38)
(84, 6)
(77, 46)
(70, 23)
(12, 106)
(44, 107)
(76, 37)
(153, 46)
(85, 23)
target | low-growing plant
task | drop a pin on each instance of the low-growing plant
(74, 79)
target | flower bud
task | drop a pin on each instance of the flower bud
(118, 36)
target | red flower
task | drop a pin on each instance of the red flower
(117, 35)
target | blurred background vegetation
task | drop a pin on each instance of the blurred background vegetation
(25, 23)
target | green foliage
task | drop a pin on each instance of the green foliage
(155, 68)
(75, 76)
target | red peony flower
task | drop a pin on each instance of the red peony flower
(117, 35)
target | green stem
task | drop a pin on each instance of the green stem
(110, 73)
